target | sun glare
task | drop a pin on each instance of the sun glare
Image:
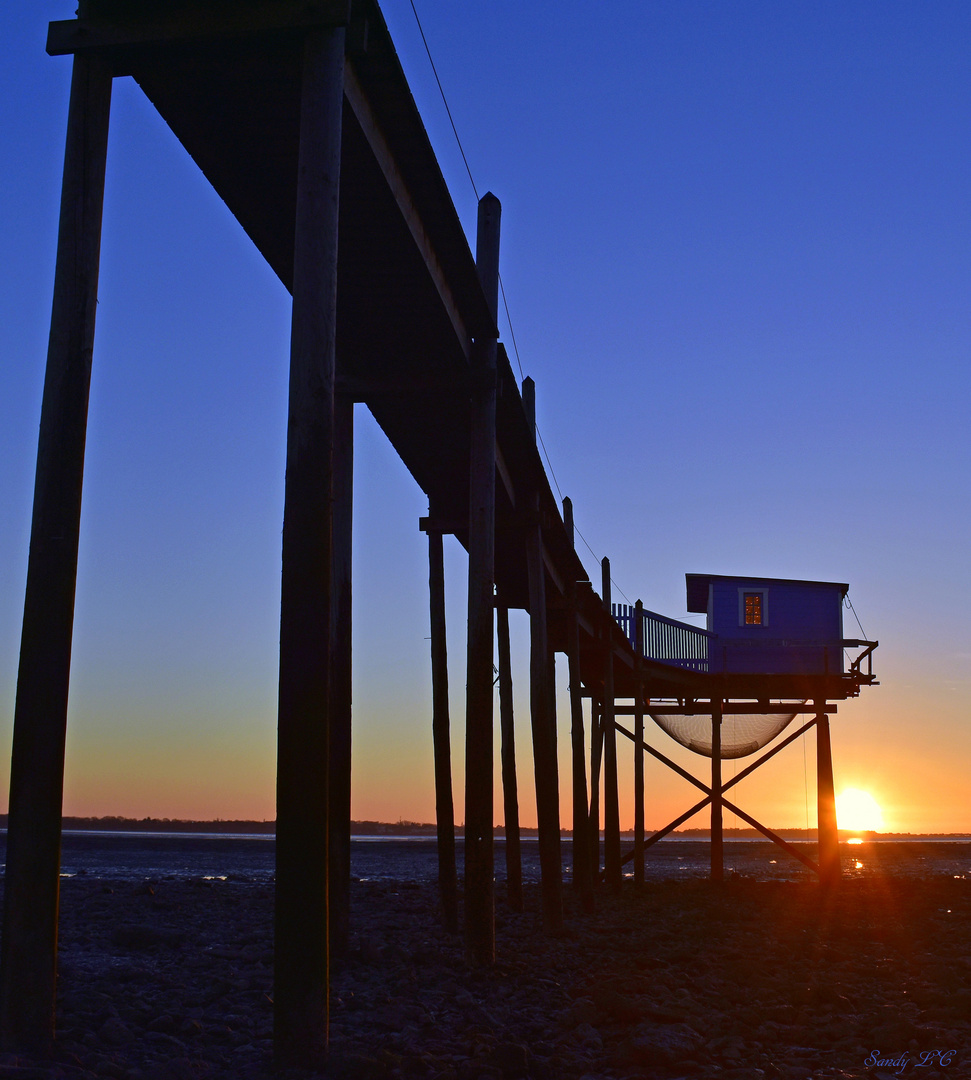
(858, 810)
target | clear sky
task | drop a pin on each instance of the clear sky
(737, 253)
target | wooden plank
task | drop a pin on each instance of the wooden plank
(106, 26)
(339, 758)
(510, 793)
(441, 737)
(480, 934)
(302, 948)
(28, 951)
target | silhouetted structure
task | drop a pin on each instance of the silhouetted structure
(299, 115)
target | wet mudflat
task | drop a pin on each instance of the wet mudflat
(173, 980)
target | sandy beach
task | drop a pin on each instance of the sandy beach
(173, 980)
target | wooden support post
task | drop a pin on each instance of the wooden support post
(827, 831)
(28, 956)
(510, 794)
(717, 860)
(612, 865)
(339, 764)
(639, 750)
(480, 931)
(596, 758)
(444, 810)
(302, 949)
(582, 855)
(544, 744)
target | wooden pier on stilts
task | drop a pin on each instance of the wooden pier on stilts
(300, 117)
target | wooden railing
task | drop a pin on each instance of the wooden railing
(666, 640)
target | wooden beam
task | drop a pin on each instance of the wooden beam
(302, 949)
(480, 934)
(773, 836)
(119, 28)
(386, 161)
(441, 738)
(510, 792)
(703, 708)
(28, 951)
(502, 471)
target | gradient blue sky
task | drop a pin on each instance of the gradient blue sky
(737, 252)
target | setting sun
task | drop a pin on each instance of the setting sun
(858, 810)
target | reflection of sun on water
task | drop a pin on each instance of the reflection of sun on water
(858, 810)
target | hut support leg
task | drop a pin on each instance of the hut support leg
(29, 946)
(828, 834)
(444, 811)
(717, 859)
(480, 928)
(302, 949)
(510, 794)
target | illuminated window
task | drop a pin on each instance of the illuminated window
(753, 609)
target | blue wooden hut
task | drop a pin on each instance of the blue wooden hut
(770, 625)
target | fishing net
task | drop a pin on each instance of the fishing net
(741, 733)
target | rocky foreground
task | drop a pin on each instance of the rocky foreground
(173, 980)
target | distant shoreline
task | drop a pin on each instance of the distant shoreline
(415, 828)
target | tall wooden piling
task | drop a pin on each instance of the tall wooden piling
(827, 830)
(441, 737)
(339, 759)
(541, 723)
(480, 939)
(612, 864)
(510, 793)
(28, 954)
(582, 862)
(302, 948)
(717, 859)
(596, 759)
(638, 748)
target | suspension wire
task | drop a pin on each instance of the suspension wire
(857, 617)
(512, 332)
(444, 100)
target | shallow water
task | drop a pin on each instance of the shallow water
(250, 858)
